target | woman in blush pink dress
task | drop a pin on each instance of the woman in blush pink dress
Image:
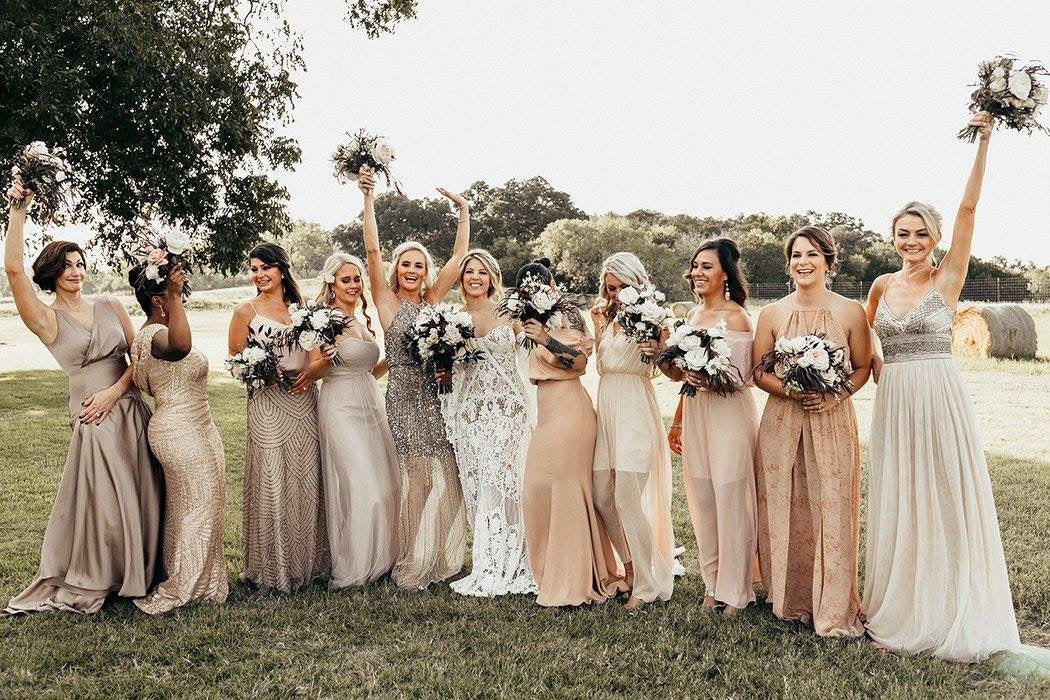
(717, 435)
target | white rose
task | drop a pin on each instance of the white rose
(999, 72)
(542, 301)
(176, 242)
(310, 340)
(815, 357)
(799, 344)
(639, 326)
(254, 355)
(1020, 84)
(690, 342)
(696, 359)
(152, 272)
(60, 176)
(329, 278)
(717, 331)
(628, 295)
(830, 376)
(660, 297)
(721, 347)
(297, 315)
(37, 148)
(653, 313)
(382, 153)
(463, 319)
(319, 319)
(513, 304)
(998, 85)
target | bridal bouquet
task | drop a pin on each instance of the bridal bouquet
(46, 174)
(641, 316)
(535, 300)
(364, 151)
(438, 338)
(809, 363)
(160, 252)
(703, 350)
(1012, 94)
(313, 325)
(257, 365)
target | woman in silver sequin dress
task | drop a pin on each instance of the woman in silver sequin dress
(432, 522)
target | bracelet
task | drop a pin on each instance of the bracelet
(676, 425)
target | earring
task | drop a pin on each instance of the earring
(727, 289)
(331, 294)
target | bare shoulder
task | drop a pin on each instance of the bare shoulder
(738, 319)
(880, 284)
(244, 311)
(849, 310)
(773, 312)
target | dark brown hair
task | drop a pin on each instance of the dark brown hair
(729, 261)
(275, 255)
(821, 240)
(51, 263)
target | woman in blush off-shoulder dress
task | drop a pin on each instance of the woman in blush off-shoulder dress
(432, 538)
(716, 435)
(103, 535)
(185, 441)
(808, 470)
(357, 451)
(569, 548)
(488, 424)
(935, 574)
(285, 531)
(632, 463)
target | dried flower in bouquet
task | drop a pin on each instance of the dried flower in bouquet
(162, 250)
(1012, 93)
(367, 151)
(46, 174)
(809, 363)
(439, 338)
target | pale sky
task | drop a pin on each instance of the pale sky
(701, 108)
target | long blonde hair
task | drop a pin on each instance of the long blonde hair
(329, 270)
(626, 267)
(428, 277)
(931, 218)
(491, 266)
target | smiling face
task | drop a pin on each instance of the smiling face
(912, 240)
(71, 279)
(611, 287)
(348, 284)
(707, 274)
(806, 264)
(265, 277)
(476, 281)
(411, 271)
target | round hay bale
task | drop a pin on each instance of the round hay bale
(681, 309)
(993, 330)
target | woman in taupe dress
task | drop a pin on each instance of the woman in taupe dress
(432, 523)
(185, 441)
(103, 535)
(285, 533)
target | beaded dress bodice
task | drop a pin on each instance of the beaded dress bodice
(924, 333)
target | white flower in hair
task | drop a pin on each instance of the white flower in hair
(628, 295)
(329, 278)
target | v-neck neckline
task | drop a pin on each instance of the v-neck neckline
(906, 316)
(73, 319)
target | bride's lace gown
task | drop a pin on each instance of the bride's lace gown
(487, 418)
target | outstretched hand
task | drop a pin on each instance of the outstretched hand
(457, 200)
(18, 194)
(366, 181)
(983, 121)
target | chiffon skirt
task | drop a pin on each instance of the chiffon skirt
(936, 577)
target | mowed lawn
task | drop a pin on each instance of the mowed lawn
(380, 640)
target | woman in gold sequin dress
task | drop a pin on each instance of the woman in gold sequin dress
(185, 441)
(808, 470)
(432, 519)
(285, 534)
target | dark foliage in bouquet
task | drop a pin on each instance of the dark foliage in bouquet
(1013, 95)
(534, 299)
(46, 174)
(367, 151)
(702, 350)
(809, 363)
(641, 315)
(439, 338)
(258, 365)
(161, 251)
(315, 324)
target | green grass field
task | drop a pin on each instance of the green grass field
(380, 640)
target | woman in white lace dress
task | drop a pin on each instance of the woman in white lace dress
(487, 417)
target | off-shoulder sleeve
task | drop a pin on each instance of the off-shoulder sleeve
(544, 365)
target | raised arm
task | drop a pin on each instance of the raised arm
(449, 274)
(385, 300)
(951, 273)
(175, 342)
(34, 313)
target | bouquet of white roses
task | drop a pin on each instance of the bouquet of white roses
(1012, 94)
(314, 324)
(535, 300)
(641, 316)
(161, 251)
(364, 150)
(438, 339)
(809, 363)
(706, 351)
(257, 365)
(46, 174)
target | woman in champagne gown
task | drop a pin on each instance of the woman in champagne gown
(432, 537)
(185, 441)
(718, 435)
(569, 548)
(487, 416)
(103, 534)
(357, 450)
(285, 530)
(935, 573)
(808, 470)
(632, 463)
